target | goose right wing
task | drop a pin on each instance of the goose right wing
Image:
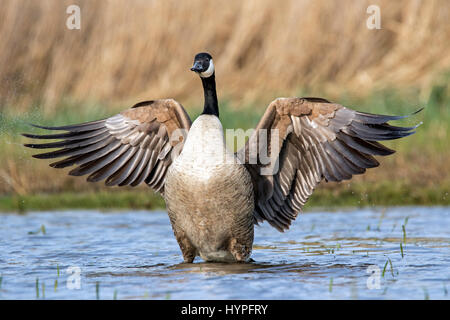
(310, 140)
(134, 146)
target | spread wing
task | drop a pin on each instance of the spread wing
(310, 139)
(134, 146)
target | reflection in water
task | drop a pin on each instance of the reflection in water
(133, 255)
(239, 268)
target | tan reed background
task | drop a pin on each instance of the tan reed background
(132, 50)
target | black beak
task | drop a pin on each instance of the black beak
(197, 67)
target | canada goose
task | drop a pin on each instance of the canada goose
(213, 204)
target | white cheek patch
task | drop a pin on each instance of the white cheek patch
(208, 73)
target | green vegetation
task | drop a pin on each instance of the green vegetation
(401, 250)
(416, 175)
(355, 195)
(97, 290)
(37, 288)
(76, 200)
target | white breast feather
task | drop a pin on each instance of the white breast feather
(205, 148)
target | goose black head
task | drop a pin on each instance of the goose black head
(203, 65)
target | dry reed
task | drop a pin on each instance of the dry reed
(127, 51)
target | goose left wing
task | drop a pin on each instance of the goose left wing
(304, 141)
(134, 146)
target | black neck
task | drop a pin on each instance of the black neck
(209, 89)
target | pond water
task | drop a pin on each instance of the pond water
(377, 253)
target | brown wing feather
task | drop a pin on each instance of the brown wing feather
(136, 145)
(317, 140)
